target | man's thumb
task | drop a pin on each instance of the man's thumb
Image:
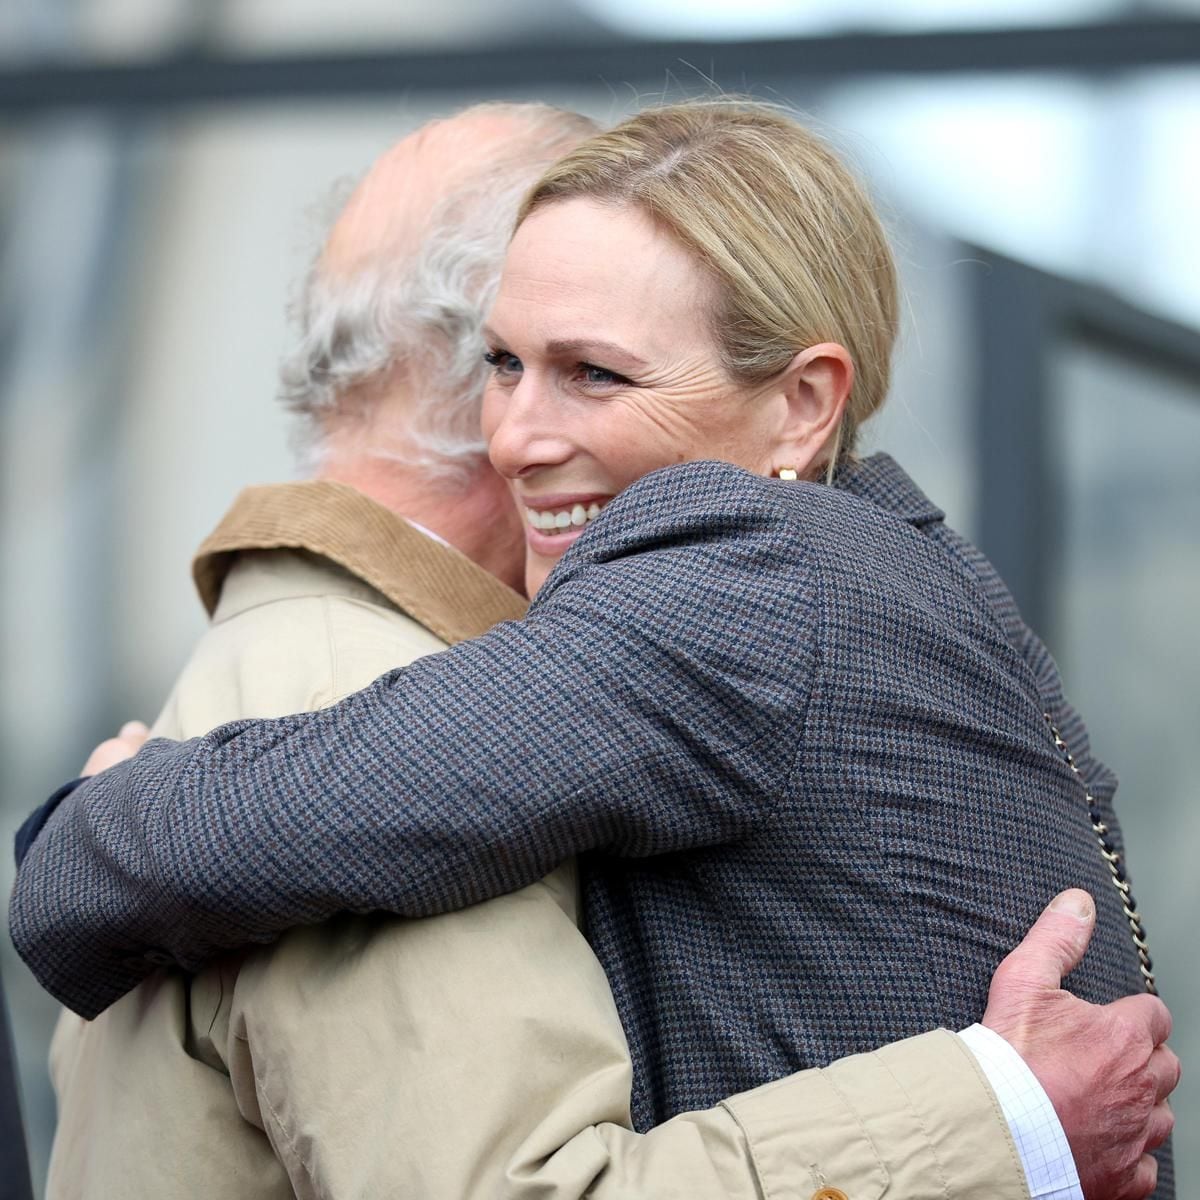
(1055, 944)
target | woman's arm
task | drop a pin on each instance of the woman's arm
(651, 702)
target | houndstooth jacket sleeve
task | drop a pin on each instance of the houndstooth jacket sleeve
(652, 701)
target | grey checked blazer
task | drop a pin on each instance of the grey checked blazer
(795, 733)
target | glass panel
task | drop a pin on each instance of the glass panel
(1083, 178)
(785, 18)
(132, 29)
(1127, 608)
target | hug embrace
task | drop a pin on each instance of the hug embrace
(770, 735)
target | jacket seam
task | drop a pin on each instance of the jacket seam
(920, 1120)
(998, 1112)
(331, 645)
(751, 1151)
(264, 1100)
(340, 597)
(866, 1133)
(819, 669)
(884, 867)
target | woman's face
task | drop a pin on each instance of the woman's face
(604, 368)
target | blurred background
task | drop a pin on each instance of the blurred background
(166, 169)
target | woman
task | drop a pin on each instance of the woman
(603, 373)
(797, 730)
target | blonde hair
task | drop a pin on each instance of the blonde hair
(788, 234)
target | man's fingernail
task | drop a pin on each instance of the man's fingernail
(1077, 903)
(130, 728)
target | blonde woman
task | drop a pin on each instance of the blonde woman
(811, 757)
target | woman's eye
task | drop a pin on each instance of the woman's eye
(502, 362)
(600, 377)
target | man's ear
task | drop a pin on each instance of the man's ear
(816, 386)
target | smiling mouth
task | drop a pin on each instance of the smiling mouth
(563, 520)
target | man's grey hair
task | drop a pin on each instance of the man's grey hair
(419, 314)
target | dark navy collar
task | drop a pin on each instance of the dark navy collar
(881, 480)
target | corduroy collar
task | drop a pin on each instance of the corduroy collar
(434, 584)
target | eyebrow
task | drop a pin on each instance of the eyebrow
(584, 346)
(589, 346)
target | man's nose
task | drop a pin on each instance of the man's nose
(530, 432)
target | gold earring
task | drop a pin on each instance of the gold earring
(786, 473)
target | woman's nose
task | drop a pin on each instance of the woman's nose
(525, 430)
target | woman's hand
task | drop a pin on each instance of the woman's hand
(125, 745)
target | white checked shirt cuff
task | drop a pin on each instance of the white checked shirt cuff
(1041, 1142)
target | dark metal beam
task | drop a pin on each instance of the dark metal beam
(1112, 326)
(193, 80)
(1023, 318)
(1016, 490)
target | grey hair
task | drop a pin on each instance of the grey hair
(420, 314)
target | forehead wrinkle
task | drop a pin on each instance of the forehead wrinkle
(581, 272)
(562, 311)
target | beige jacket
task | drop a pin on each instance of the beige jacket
(476, 1054)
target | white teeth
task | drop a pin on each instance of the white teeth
(568, 518)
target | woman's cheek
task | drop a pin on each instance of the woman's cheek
(489, 414)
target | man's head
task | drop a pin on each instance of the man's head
(387, 374)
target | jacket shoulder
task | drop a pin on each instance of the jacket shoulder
(289, 655)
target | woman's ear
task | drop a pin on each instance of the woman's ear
(816, 386)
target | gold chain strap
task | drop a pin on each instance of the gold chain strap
(1111, 856)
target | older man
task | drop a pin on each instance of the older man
(405, 542)
(479, 1052)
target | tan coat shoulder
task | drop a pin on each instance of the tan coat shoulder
(290, 635)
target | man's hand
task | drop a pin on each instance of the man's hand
(1105, 1068)
(125, 745)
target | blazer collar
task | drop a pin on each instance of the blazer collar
(433, 583)
(880, 480)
